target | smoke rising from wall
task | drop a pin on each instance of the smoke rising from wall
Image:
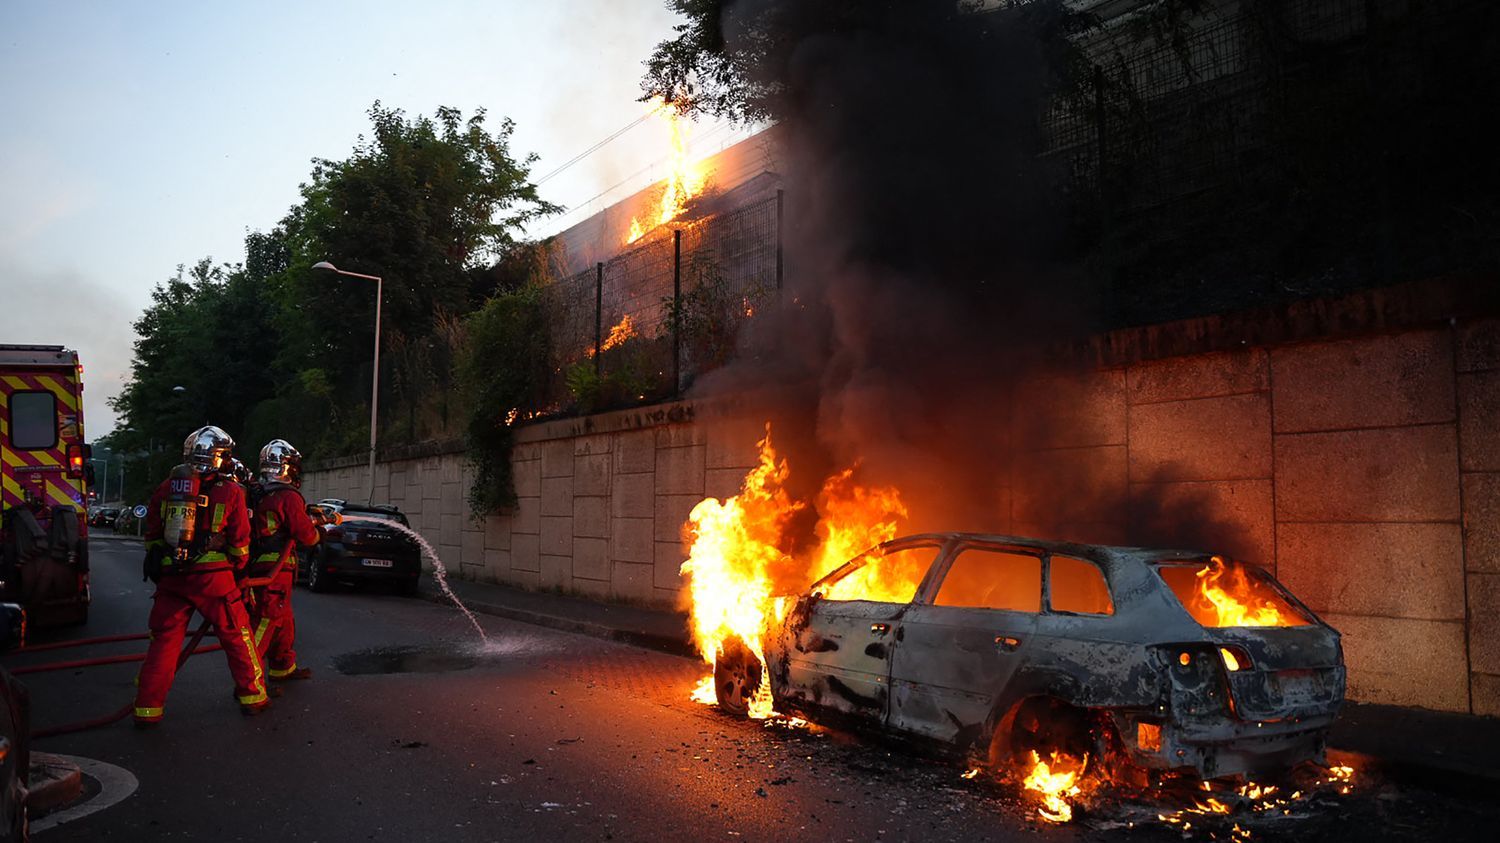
(929, 266)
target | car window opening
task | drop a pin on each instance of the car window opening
(1078, 586)
(881, 576)
(1220, 593)
(988, 578)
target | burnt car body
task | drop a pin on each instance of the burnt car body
(1008, 644)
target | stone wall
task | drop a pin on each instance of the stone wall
(602, 501)
(1365, 471)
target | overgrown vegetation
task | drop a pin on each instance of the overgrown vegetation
(710, 314)
(268, 347)
(502, 373)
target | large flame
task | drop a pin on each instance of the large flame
(1236, 601)
(733, 547)
(685, 178)
(738, 571)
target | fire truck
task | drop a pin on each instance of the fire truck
(45, 476)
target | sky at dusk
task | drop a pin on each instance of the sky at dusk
(139, 136)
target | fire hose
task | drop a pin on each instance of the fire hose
(191, 649)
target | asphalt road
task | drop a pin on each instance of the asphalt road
(410, 730)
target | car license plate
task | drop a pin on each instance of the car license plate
(1299, 688)
(376, 563)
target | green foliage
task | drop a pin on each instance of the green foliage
(628, 374)
(753, 61)
(204, 332)
(501, 372)
(710, 314)
(270, 348)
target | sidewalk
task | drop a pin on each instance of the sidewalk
(1427, 746)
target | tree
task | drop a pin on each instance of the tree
(269, 348)
(203, 356)
(420, 203)
(760, 60)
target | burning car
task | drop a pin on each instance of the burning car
(1000, 646)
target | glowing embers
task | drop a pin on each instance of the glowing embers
(1220, 593)
(1055, 781)
(685, 179)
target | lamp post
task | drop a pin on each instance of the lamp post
(375, 380)
(103, 487)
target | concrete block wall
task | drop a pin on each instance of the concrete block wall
(601, 501)
(1364, 472)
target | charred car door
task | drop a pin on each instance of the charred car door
(963, 639)
(838, 652)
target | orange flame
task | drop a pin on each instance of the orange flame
(618, 334)
(738, 572)
(1055, 782)
(733, 547)
(684, 181)
(1227, 588)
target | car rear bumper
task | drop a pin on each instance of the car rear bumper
(346, 562)
(1230, 747)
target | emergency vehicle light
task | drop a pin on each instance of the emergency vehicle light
(77, 456)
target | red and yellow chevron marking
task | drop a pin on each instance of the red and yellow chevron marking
(42, 470)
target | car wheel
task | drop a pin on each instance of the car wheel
(1048, 727)
(317, 578)
(409, 587)
(737, 676)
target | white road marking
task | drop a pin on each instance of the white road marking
(116, 784)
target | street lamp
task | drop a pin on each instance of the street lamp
(375, 380)
(103, 489)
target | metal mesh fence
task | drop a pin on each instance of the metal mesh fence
(569, 305)
(1307, 145)
(614, 338)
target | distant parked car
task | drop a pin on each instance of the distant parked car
(999, 646)
(363, 548)
(15, 731)
(104, 516)
(125, 522)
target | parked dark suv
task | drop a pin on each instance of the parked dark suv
(365, 546)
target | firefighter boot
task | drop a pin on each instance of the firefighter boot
(296, 673)
(253, 709)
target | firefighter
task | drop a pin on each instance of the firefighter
(197, 538)
(280, 523)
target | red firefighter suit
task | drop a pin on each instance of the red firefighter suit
(205, 583)
(280, 524)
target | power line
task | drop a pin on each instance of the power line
(596, 147)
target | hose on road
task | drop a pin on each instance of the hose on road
(190, 649)
(114, 716)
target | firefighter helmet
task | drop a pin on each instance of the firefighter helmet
(238, 470)
(207, 449)
(281, 463)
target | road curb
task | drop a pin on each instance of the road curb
(53, 783)
(638, 638)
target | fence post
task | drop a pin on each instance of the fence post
(780, 200)
(676, 311)
(599, 319)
